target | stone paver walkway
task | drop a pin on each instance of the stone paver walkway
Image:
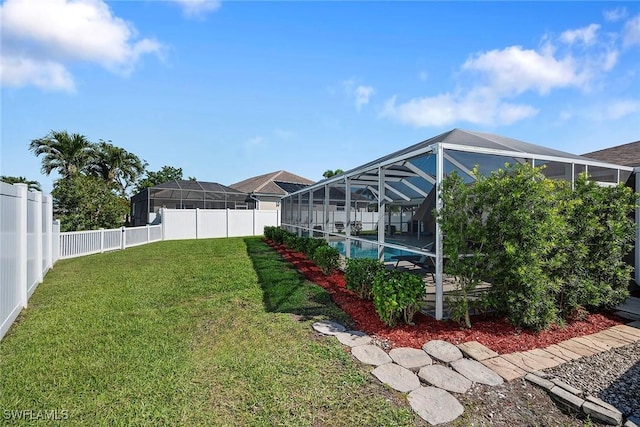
(403, 368)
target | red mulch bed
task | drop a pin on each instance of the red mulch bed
(496, 333)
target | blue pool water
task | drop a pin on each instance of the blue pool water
(367, 250)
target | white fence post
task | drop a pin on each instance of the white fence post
(48, 220)
(197, 222)
(102, 240)
(254, 222)
(227, 223)
(162, 222)
(148, 233)
(123, 238)
(38, 236)
(21, 259)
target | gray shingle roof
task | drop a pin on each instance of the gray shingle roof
(625, 154)
(268, 183)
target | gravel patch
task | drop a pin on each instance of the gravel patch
(613, 376)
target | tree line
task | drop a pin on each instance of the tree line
(95, 181)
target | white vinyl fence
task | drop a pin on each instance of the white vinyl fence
(31, 242)
(27, 234)
(79, 243)
(210, 223)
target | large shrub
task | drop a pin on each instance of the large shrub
(465, 237)
(599, 234)
(397, 295)
(360, 274)
(522, 225)
(549, 251)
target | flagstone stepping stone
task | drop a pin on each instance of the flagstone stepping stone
(442, 350)
(477, 351)
(353, 338)
(593, 343)
(397, 377)
(620, 336)
(476, 372)
(328, 327)
(504, 368)
(628, 330)
(530, 362)
(371, 355)
(434, 405)
(410, 358)
(563, 353)
(609, 339)
(445, 378)
(577, 347)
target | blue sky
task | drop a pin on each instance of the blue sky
(235, 89)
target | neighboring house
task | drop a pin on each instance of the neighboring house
(625, 155)
(268, 189)
(185, 194)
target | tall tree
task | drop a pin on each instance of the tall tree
(83, 202)
(64, 153)
(115, 166)
(166, 173)
(329, 173)
(33, 185)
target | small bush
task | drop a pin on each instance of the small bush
(313, 244)
(397, 296)
(268, 232)
(290, 240)
(360, 275)
(327, 258)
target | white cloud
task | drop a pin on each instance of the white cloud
(19, 71)
(198, 8)
(423, 75)
(620, 108)
(360, 93)
(363, 94)
(586, 35)
(477, 107)
(615, 15)
(514, 70)
(59, 32)
(631, 32)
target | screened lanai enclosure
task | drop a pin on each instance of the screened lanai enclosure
(385, 208)
(185, 194)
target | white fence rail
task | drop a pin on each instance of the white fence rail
(79, 243)
(209, 223)
(27, 234)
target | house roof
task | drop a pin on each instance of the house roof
(279, 183)
(625, 154)
(212, 187)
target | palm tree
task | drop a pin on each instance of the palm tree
(33, 185)
(114, 165)
(63, 153)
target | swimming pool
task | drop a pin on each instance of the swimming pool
(367, 250)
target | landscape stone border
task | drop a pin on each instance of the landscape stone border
(398, 370)
(403, 369)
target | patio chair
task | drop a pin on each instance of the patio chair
(422, 261)
(339, 226)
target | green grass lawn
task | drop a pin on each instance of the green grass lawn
(199, 332)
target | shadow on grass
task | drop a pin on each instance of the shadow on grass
(285, 290)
